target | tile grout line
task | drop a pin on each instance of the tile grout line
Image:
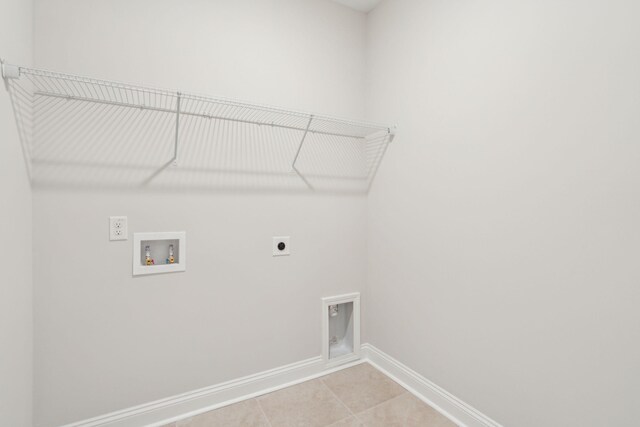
(266, 417)
(374, 406)
(390, 399)
(341, 402)
(406, 392)
(332, 393)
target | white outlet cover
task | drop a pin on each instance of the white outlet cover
(118, 229)
(277, 251)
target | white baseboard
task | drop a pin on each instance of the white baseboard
(164, 411)
(450, 406)
(196, 402)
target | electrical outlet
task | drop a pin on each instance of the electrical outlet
(281, 246)
(118, 228)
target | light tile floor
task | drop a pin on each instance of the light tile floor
(360, 396)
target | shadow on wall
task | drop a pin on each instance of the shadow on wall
(84, 133)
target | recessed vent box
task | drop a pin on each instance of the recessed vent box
(341, 329)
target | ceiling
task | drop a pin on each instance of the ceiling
(361, 5)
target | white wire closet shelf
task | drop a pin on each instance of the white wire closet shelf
(82, 131)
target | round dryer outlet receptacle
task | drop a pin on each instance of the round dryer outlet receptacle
(281, 246)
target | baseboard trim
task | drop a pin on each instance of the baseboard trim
(450, 406)
(165, 411)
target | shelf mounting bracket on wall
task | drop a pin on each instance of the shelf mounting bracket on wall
(295, 160)
(174, 160)
(12, 72)
(175, 147)
(9, 71)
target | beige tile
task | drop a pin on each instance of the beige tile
(310, 404)
(243, 414)
(348, 422)
(362, 387)
(404, 411)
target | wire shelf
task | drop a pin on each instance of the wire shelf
(85, 131)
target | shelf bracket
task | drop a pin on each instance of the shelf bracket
(392, 132)
(9, 72)
(295, 159)
(174, 160)
(175, 146)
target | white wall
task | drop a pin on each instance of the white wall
(503, 226)
(106, 341)
(16, 314)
